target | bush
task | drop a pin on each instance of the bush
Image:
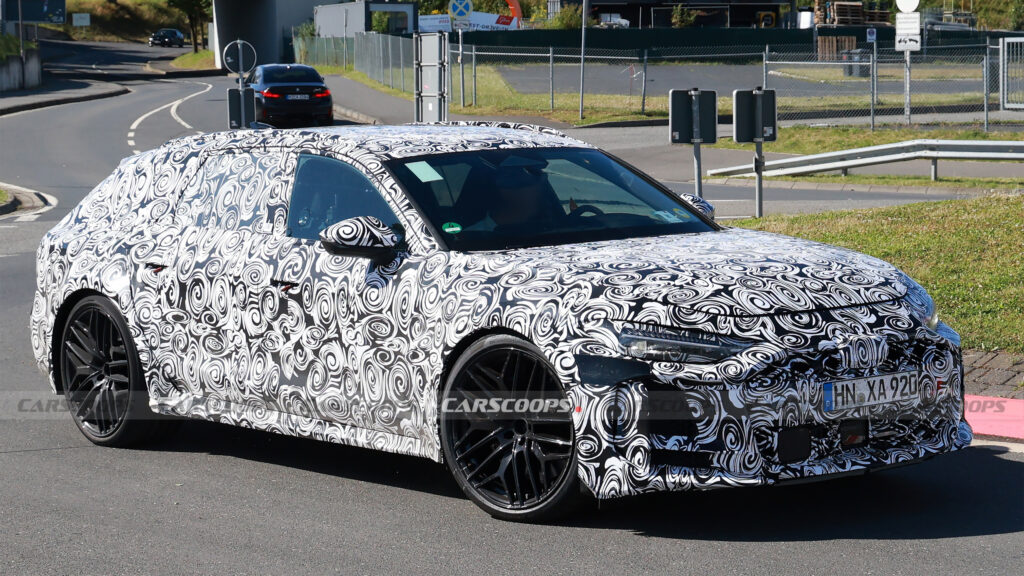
(569, 18)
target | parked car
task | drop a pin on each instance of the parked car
(167, 37)
(524, 307)
(291, 95)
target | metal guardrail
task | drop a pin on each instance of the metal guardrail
(843, 160)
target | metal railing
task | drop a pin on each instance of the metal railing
(844, 160)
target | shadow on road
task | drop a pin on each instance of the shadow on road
(971, 493)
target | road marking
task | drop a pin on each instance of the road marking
(50, 202)
(174, 109)
(174, 114)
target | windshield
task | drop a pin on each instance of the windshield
(498, 199)
(290, 74)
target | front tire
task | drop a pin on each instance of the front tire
(102, 379)
(519, 465)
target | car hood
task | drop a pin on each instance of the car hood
(732, 272)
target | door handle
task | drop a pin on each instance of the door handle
(156, 267)
(283, 285)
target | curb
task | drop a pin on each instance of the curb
(121, 90)
(995, 417)
(355, 116)
(11, 205)
(183, 73)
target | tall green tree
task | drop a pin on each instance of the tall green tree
(198, 13)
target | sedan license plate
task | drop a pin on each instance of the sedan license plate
(860, 392)
(298, 96)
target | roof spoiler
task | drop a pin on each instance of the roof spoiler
(496, 124)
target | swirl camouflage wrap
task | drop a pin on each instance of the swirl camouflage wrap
(237, 319)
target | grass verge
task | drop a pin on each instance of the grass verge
(3, 196)
(1001, 184)
(969, 254)
(202, 60)
(121, 20)
(814, 140)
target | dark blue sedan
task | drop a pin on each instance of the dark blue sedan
(291, 94)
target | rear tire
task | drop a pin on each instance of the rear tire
(102, 378)
(517, 466)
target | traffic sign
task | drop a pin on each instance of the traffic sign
(460, 12)
(872, 35)
(681, 116)
(907, 5)
(239, 57)
(908, 32)
(750, 124)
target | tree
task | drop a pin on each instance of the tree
(682, 17)
(197, 12)
(1016, 16)
(570, 17)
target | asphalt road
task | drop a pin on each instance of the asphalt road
(220, 499)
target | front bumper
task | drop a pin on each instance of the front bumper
(638, 433)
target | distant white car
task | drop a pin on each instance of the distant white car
(516, 303)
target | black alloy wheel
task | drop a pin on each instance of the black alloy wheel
(517, 464)
(102, 378)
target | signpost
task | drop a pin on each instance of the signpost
(240, 57)
(693, 119)
(431, 57)
(908, 39)
(79, 19)
(755, 119)
(460, 12)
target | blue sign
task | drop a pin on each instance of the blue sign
(460, 8)
(51, 11)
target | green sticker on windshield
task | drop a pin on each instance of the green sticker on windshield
(452, 227)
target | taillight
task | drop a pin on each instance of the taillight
(323, 94)
(268, 94)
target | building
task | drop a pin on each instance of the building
(709, 13)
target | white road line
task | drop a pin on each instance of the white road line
(49, 201)
(1010, 446)
(174, 109)
(174, 114)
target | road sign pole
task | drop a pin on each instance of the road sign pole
(241, 85)
(583, 51)
(698, 179)
(906, 88)
(758, 153)
(874, 82)
(21, 43)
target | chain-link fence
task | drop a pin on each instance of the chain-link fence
(862, 84)
(868, 84)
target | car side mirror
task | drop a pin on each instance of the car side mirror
(703, 206)
(361, 237)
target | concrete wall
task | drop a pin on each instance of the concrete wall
(10, 72)
(266, 24)
(330, 20)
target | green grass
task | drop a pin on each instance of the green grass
(9, 46)
(991, 184)
(121, 20)
(969, 255)
(833, 74)
(3, 196)
(202, 60)
(814, 140)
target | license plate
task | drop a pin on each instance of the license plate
(871, 391)
(298, 96)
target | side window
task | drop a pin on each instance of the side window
(328, 191)
(238, 191)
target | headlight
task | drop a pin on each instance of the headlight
(663, 344)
